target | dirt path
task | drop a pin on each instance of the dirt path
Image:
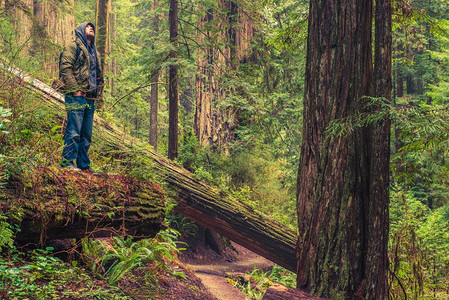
(213, 276)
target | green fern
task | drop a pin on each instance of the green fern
(6, 234)
(121, 255)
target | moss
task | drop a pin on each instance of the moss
(61, 196)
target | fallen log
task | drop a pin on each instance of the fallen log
(198, 201)
(57, 203)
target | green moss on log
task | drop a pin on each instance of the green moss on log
(54, 197)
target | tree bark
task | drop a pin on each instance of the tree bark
(102, 33)
(173, 83)
(154, 96)
(216, 121)
(33, 21)
(336, 178)
(400, 86)
(102, 26)
(22, 11)
(113, 35)
(379, 173)
(154, 103)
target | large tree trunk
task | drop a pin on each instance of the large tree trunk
(22, 13)
(336, 178)
(215, 122)
(173, 83)
(379, 184)
(56, 20)
(204, 204)
(38, 22)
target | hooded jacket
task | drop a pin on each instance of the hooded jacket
(75, 71)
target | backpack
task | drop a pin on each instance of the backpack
(57, 84)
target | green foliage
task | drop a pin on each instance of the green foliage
(286, 23)
(258, 281)
(119, 256)
(4, 114)
(39, 275)
(182, 224)
(6, 234)
(419, 255)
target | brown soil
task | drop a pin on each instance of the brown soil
(190, 288)
(212, 269)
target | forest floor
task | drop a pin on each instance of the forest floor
(214, 270)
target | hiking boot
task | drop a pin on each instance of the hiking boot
(89, 170)
(73, 168)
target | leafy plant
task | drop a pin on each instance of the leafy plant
(119, 256)
(182, 224)
(258, 281)
(39, 275)
(419, 259)
(6, 234)
(4, 114)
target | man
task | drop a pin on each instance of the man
(81, 73)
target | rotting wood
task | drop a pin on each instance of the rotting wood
(202, 203)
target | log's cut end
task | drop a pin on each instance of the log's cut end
(55, 203)
(282, 292)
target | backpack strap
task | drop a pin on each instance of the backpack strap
(78, 51)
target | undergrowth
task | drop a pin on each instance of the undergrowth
(39, 275)
(116, 257)
(254, 284)
(419, 248)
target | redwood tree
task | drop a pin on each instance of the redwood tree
(154, 94)
(102, 33)
(343, 179)
(173, 83)
(215, 122)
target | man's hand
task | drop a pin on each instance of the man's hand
(77, 94)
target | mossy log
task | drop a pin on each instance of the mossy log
(55, 203)
(198, 201)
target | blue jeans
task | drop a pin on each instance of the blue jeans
(78, 134)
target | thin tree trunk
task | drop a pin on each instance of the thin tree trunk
(336, 176)
(410, 84)
(110, 31)
(113, 40)
(102, 26)
(154, 95)
(173, 83)
(400, 86)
